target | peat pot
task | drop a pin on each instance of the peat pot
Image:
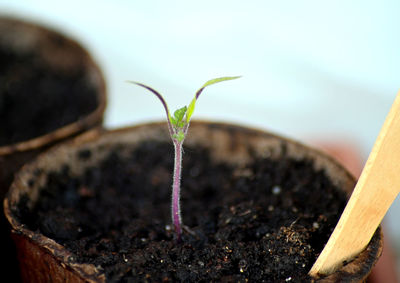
(50, 90)
(256, 206)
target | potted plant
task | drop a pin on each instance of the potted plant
(50, 90)
(256, 207)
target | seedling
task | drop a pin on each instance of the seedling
(178, 126)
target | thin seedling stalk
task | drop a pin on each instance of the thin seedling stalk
(178, 126)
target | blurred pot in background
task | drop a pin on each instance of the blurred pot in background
(50, 90)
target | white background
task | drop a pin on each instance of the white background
(311, 69)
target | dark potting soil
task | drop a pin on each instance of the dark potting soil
(36, 98)
(266, 222)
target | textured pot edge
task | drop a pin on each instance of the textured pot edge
(369, 255)
(55, 257)
(59, 256)
(90, 120)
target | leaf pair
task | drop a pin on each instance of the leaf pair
(177, 119)
(178, 123)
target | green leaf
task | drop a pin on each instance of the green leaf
(190, 110)
(214, 81)
(179, 136)
(180, 113)
(218, 80)
(172, 120)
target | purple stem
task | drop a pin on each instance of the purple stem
(176, 210)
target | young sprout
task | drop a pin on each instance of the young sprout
(178, 125)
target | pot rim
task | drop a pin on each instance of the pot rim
(87, 121)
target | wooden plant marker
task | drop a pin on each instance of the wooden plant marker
(377, 188)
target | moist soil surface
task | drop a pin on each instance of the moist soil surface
(37, 98)
(266, 222)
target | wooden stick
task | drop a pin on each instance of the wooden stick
(377, 188)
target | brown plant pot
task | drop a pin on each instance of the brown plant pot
(43, 260)
(27, 48)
